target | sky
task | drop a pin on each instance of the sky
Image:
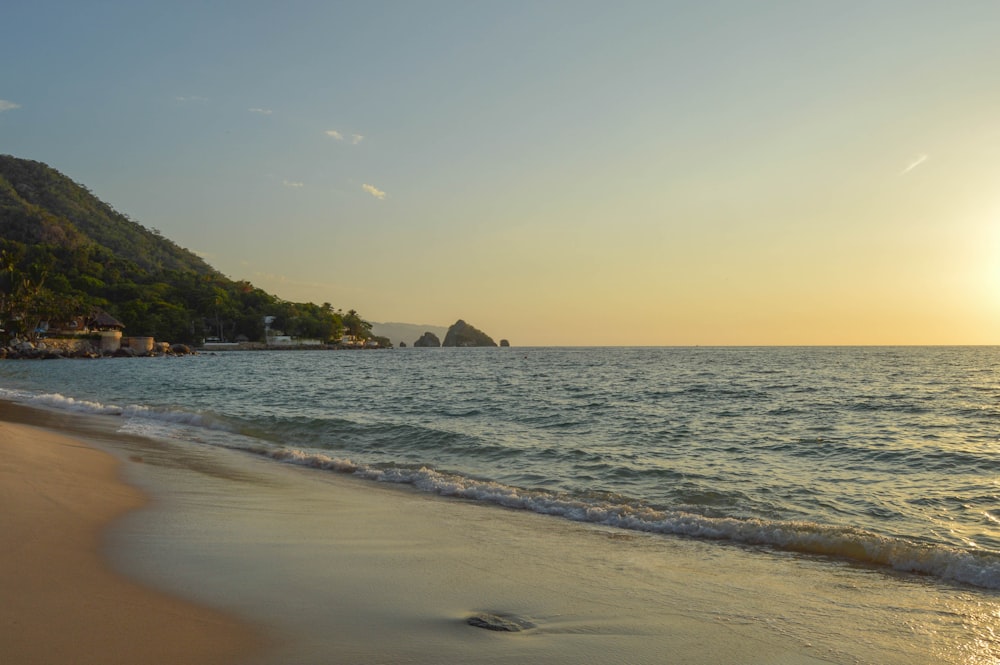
(553, 172)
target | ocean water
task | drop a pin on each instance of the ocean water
(877, 456)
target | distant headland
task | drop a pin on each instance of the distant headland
(69, 261)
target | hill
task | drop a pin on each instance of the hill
(64, 253)
(40, 205)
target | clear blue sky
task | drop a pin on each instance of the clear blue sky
(552, 172)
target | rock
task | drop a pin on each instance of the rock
(428, 339)
(124, 352)
(506, 624)
(462, 334)
(402, 345)
(504, 342)
(181, 349)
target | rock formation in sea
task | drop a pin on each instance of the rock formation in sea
(428, 339)
(463, 334)
(504, 342)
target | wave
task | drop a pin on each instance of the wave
(64, 403)
(57, 401)
(975, 568)
(979, 568)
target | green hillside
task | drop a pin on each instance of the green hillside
(38, 204)
(64, 253)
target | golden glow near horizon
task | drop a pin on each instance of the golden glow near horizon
(649, 174)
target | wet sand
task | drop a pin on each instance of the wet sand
(349, 571)
(60, 601)
(310, 567)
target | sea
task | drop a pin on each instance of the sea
(888, 456)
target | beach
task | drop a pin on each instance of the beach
(61, 602)
(315, 572)
(237, 559)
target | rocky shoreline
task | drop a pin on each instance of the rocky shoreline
(53, 350)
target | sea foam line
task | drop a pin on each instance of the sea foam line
(57, 401)
(981, 569)
(64, 403)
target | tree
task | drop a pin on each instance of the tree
(355, 325)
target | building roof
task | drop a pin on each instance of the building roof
(105, 320)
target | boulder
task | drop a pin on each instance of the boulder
(428, 339)
(500, 623)
(181, 349)
(462, 334)
(504, 342)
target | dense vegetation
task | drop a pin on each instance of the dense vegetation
(64, 253)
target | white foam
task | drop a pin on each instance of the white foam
(131, 411)
(978, 568)
(58, 401)
(981, 569)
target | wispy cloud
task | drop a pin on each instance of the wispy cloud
(374, 191)
(8, 106)
(339, 136)
(262, 111)
(914, 164)
(190, 98)
(292, 184)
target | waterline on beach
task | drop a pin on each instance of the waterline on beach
(369, 570)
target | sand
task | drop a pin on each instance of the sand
(60, 602)
(345, 570)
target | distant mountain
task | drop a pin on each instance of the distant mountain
(65, 253)
(406, 332)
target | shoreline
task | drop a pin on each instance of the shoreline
(61, 601)
(56, 353)
(332, 568)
